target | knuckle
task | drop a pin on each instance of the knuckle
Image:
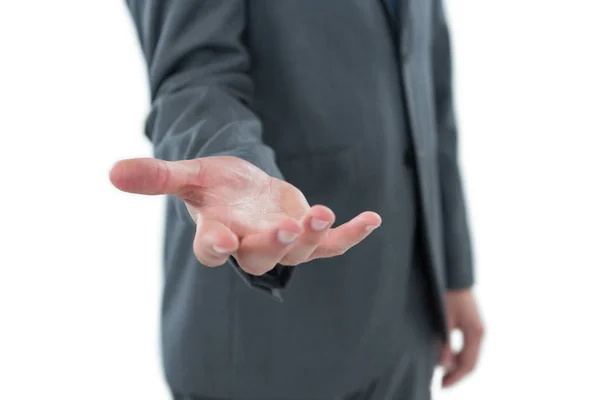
(335, 251)
(200, 175)
(341, 251)
(162, 173)
(295, 258)
(212, 263)
(254, 270)
(205, 258)
(198, 253)
(291, 261)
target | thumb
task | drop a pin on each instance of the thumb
(152, 176)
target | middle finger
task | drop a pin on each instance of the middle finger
(316, 224)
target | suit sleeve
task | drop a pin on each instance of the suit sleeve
(201, 92)
(458, 253)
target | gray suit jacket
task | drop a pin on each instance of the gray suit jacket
(324, 94)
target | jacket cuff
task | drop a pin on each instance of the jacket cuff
(272, 283)
(459, 279)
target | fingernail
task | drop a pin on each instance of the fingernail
(371, 228)
(286, 237)
(219, 249)
(318, 224)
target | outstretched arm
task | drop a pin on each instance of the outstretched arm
(199, 86)
(217, 166)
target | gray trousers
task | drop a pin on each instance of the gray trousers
(409, 378)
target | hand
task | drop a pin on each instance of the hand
(241, 211)
(464, 316)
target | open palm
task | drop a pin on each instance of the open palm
(241, 211)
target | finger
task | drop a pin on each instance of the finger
(152, 176)
(260, 252)
(315, 224)
(446, 356)
(214, 242)
(466, 359)
(339, 240)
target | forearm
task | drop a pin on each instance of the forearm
(200, 89)
(205, 121)
(201, 92)
(458, 253)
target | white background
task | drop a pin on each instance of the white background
(80, 272)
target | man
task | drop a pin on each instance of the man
(261, 109)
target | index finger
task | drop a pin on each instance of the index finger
(152, 176)
(340, 239)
